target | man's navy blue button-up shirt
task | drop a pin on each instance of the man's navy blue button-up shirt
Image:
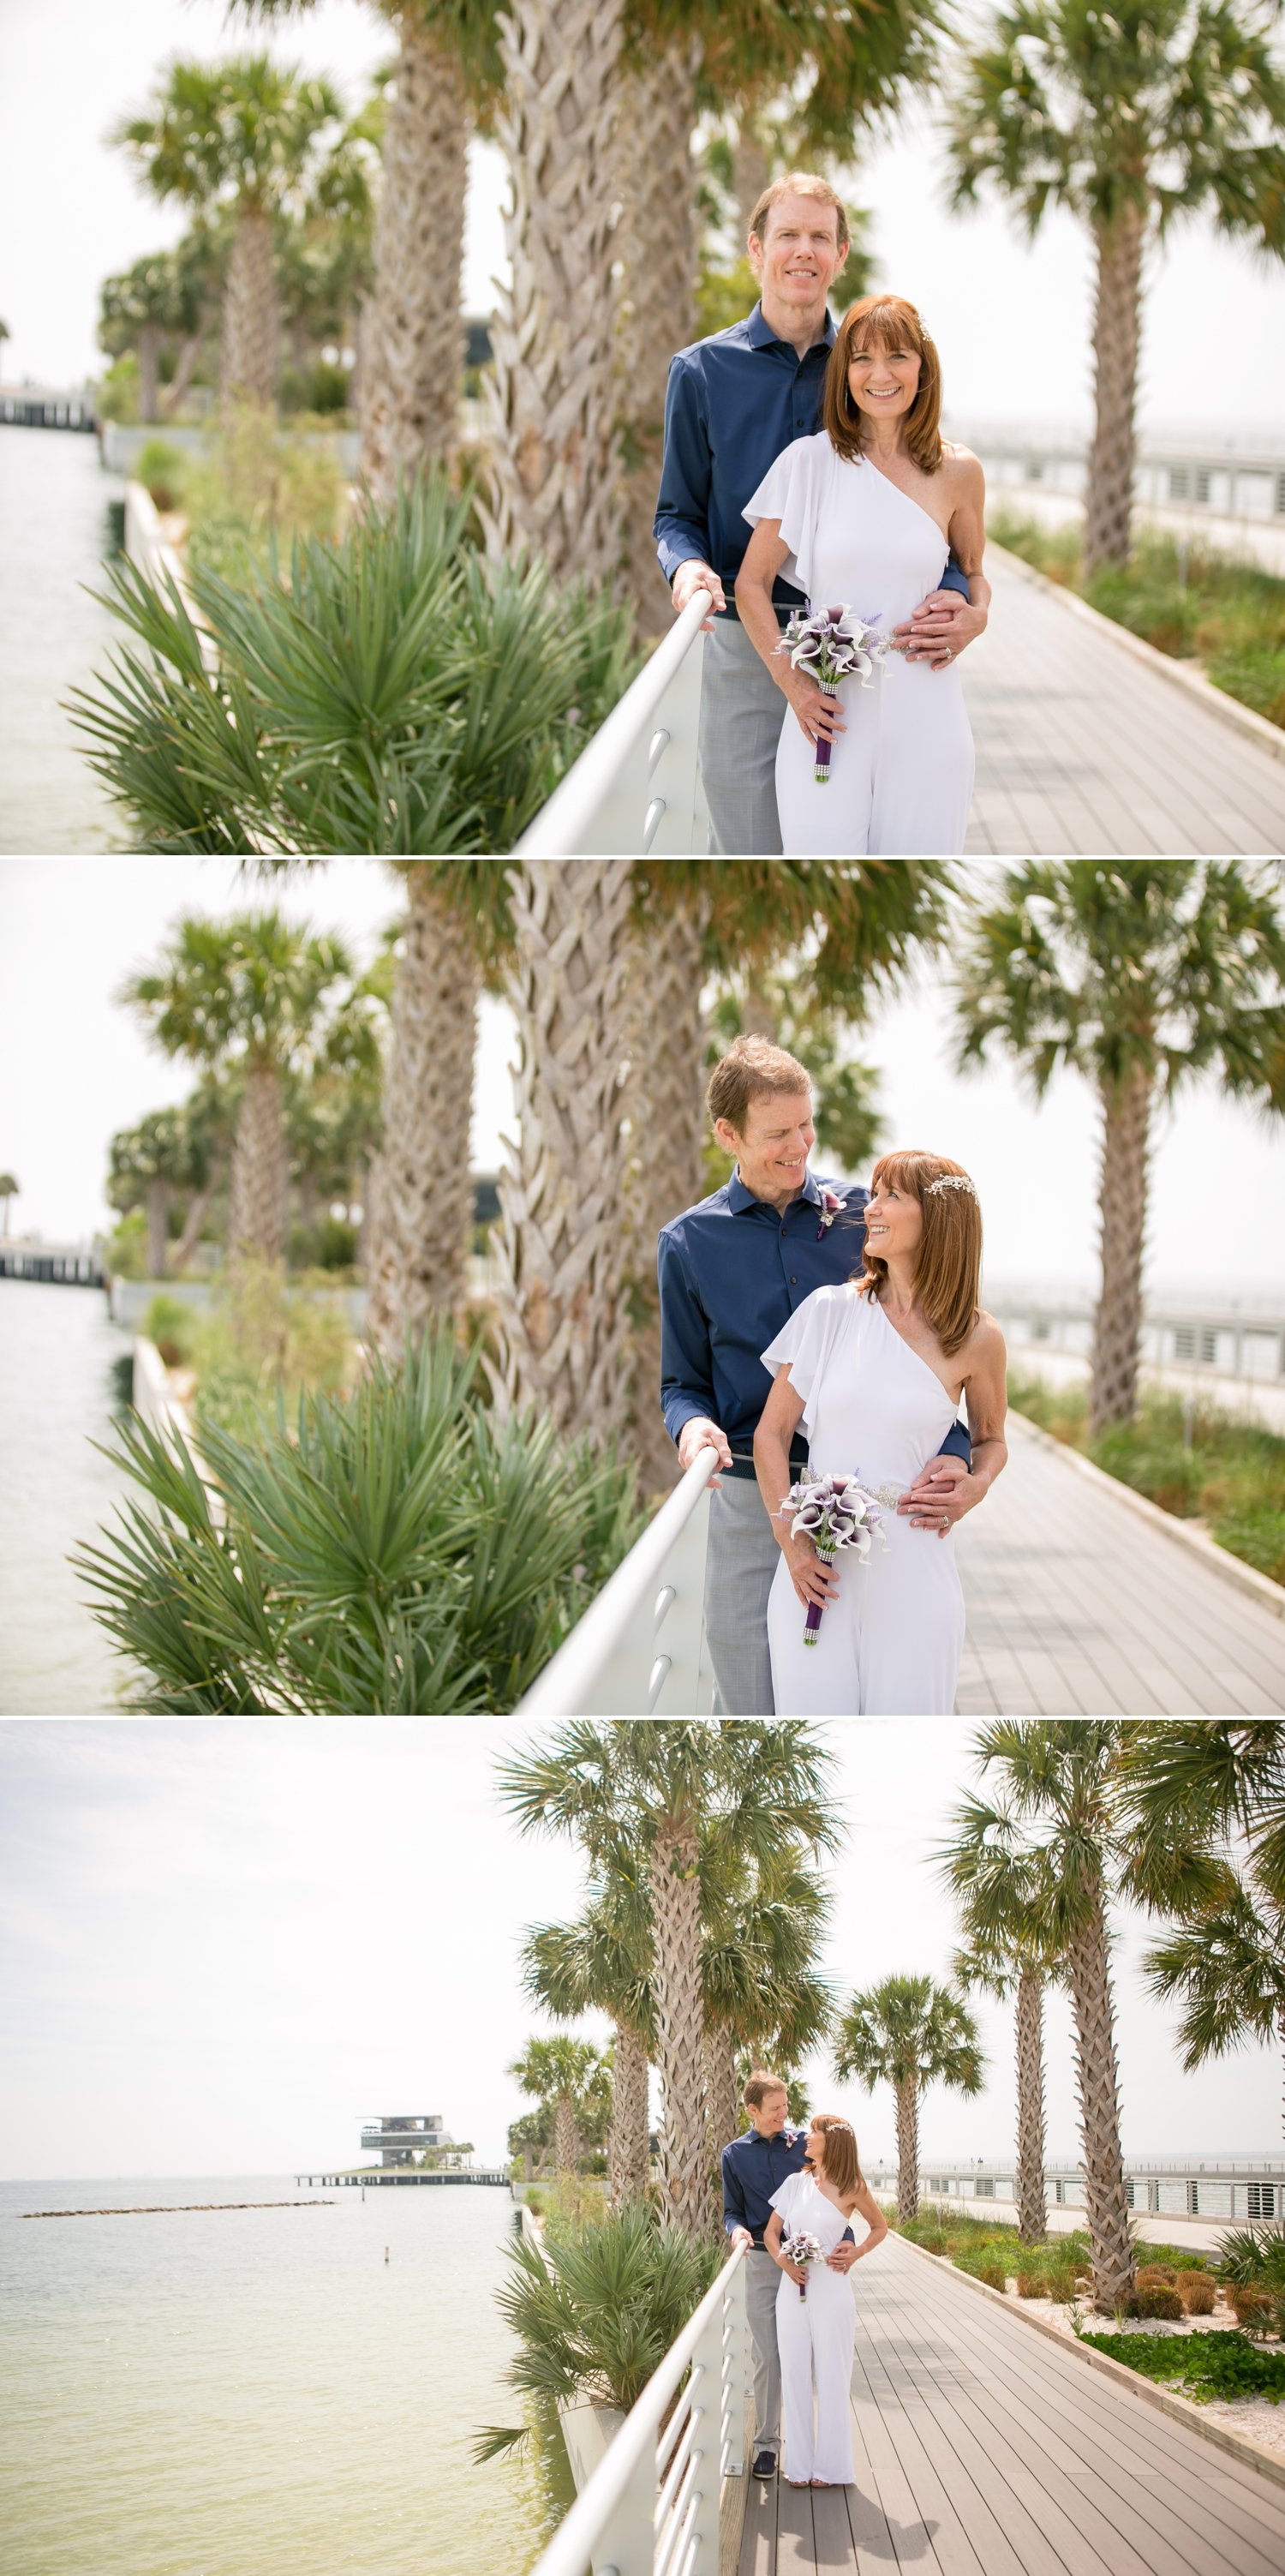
(732, 1270)
(753, 2168)
(733, 403)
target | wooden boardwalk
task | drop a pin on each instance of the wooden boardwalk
(980, 2448)
(1077, 1607)
(1081, 748)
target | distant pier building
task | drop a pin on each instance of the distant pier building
(399, 2137)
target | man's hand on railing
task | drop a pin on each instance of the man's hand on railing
(701, 1434)
(688, 580)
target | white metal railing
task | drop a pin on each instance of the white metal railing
(653, 2504)
(640, 1646)
(1222, 2187)
(636, 786)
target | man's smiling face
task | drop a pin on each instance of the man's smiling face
(772, 1149)
(798, 260)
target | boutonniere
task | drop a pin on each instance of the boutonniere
(831, 1204)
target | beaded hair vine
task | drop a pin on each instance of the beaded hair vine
(952, 1181)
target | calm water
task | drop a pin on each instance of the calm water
(256, 2392)
(59, 1352)
(54, 532)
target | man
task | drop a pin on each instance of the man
(732, 404)
(753, 2168)
(732, 1270)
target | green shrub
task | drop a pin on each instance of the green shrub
(395, 693)
(1033, 2285)
(1157, 2300)
(173, 1325)
(397, 1551)
(596, 2319)
(1196, 2291)
(1154, 2276)
(1216, 2364)
(1253, 2257)
(162, 469)
(261, 1342)
(127, 1246)
(536, 2200)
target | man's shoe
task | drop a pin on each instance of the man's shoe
(764, 2464)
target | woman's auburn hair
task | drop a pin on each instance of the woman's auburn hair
(881, 321)
(842, 2164)
(948, 1271)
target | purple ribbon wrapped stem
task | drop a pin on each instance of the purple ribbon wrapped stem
(812, 1623)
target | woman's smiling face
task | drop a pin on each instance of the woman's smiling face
(894, 1223)
(884, 380)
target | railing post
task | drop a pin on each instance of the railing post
(627, 2546)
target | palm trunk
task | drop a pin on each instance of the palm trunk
(260, 1171)
(413, 344)
(722, 2113)
(907, 2150)
(563, 1327)
(566, 2137)
(193, 1222)
(657, 312)
(149, 357)
(555, 457)
(684, 2152)
(761, 1019)
(628, 2138)
(1122, 1211)
(184, 370)
(667, 1121)
(1117, 325)
(423, 1191)
(158, 1227)
(1106, 2200)
(1032, 2211)
(251, 325)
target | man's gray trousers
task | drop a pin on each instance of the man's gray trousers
(742, 711)
(762, 2280)
(740, 1561)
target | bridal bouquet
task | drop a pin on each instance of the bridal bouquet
(804, 2250)
(834, 1512)
(830, 644)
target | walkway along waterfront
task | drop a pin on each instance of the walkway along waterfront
(1083, 746)
(1080, 1601)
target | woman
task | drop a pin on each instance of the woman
(875, 1370)
(867, 513)
(815, 2333)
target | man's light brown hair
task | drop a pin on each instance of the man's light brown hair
(883, 322)
(760, 2083)
(949, 1266)
(800, 183)
(752, 1069)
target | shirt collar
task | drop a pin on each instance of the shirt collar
(739, 1198)
(760, 334)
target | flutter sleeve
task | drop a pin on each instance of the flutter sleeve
(788, 492)
(783, 2200)
(805, 1345)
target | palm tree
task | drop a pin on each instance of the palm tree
(248, 135)
(1130, 118)
(148, 1163)
(909, 2033)
(602, 1963)
(760, 1985)
(1058, 1819)
(563, 1325)
(1206, 1810)
(143, 309)
(692, 1796)
(1139, 974)
(566, 2075)
(257, 993)
(555, 453)
(1003, 1902)
(444, 76)
(8, 1190)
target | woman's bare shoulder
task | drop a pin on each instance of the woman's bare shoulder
(985, 1341)
(960, 464)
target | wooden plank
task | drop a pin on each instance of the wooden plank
(832, 2533)
(1049, 2407)
(758, 2539)
(795, 2545)
(958, 2552)
(914, 2540)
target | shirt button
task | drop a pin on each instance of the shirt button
(793, 1280)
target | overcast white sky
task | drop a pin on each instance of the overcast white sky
(1012, 322)
(228, 1941)
(74, 1067)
